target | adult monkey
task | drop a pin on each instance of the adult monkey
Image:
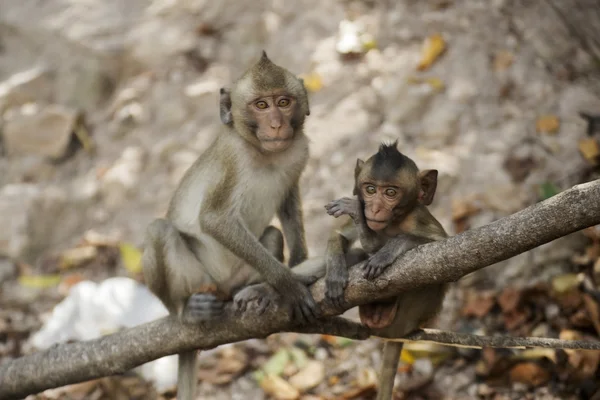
(389, 217)
(209, 240)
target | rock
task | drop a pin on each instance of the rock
(36, 219)
(46, 132)
(24, 87)
(118, 182)
(8, 270)
(16, 202)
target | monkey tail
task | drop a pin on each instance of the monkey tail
(186, 376)
(389, 367)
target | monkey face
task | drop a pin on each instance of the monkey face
(380, 202)
(273, 116)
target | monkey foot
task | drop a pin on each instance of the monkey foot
(257, 296)
(203, 307)
(378, 315)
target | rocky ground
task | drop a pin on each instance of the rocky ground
(103, 106)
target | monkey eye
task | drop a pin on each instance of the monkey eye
(261, 104)
(283, 102)
(370, 189)
(390, 192)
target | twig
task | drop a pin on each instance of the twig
(456, 339)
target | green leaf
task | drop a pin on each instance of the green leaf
(547, 190)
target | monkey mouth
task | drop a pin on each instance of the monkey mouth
(275, 145)
(375, 224)
(378, 315)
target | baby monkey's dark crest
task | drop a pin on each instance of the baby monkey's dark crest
(267, 105)
(389, 184)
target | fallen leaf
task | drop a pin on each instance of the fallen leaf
(279, 388)
(312, 82)
(503, 59)
(436, 353)
(529, 373)
(547, 124)
(519, 168)
(593, 311)
(94, 238)
(564, 283)
(478, 304)
(276, 364)
(583, 363)
(547, 190)
(309, 376)
(435, 83)
(536, 354)
(590, 150)
(299, 357)
(39, 281)
(132, 258)
(509, 299)
(462, 208)
(433, 47)
(74, 257)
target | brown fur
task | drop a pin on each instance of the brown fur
(402, 222)
(215, 235)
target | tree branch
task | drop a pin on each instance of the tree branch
(438, 262)
(456, 339)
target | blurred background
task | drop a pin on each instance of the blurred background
(105, 104)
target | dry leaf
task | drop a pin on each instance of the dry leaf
(309, 377)
(593, 311)
(509, 299)
(590, 150)
(502, 60)
(536, 354)
(279, 388)
(565, 283)
(276, 364)
(435, 83)
(77, 256)
(583, 363)
(312, 82)
(478, 304)
(462, 208)
(132, 258)
(39, 281)
(433, 47)
(547, 124)
(436, 353)
(529, 373)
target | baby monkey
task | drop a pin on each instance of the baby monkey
(388, 217)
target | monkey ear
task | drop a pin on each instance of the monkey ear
(428, 180)
(306, 95)
(225, 106)
(359, 166)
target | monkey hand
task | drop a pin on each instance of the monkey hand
(259, 295)
(301, 303)
(377, 263)
(344, 206)
(336, 281)
(202, 307)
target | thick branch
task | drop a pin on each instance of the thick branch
(443, 261)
